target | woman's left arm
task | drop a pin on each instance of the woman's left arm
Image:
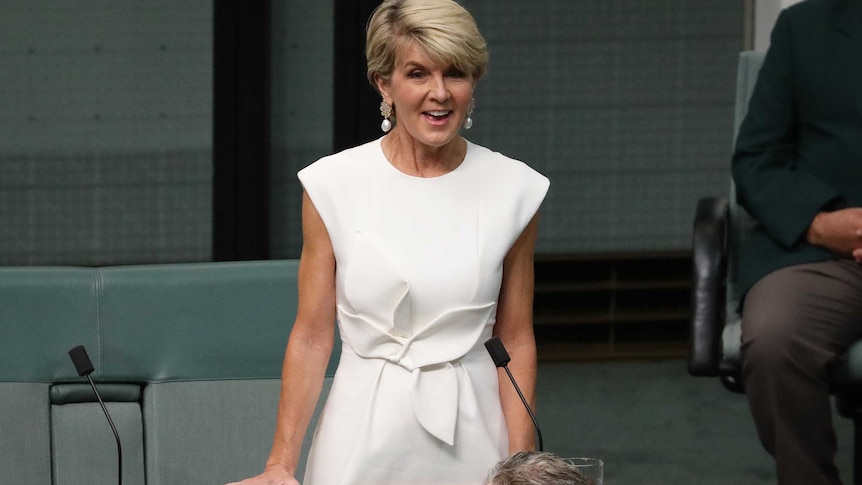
(514, 326)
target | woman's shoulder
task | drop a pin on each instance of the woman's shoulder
(346, 158)
(514, 189)
(501, 167)
(347, 163)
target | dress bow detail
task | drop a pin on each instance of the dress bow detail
(428, 354)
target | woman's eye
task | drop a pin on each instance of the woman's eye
(415, 74)
(456, 73)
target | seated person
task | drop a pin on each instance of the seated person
(798, 171)
(536, 468)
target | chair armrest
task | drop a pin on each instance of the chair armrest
(845, 376)
(845, 370)
(709, 292)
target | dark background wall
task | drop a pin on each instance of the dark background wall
(163, 131)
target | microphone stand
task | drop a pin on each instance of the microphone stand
(85, 367)
(501, 359)
(527, 406)
(114, 429)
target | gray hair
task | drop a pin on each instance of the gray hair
(536, 468)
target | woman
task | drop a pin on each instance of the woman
(420, 245)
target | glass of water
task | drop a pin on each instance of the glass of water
(591, 468)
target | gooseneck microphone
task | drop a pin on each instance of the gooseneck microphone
(501, 359)
(85, 367)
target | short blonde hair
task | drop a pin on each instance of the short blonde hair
(443, 29)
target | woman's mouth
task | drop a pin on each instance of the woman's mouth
(437, 117)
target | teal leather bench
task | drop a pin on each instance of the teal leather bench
(187, 357)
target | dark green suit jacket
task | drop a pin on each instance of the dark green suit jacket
(799, 148)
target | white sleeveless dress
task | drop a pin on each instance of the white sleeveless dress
(415, 398)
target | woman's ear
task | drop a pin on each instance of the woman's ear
(383, 87)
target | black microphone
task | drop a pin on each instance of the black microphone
(85, 367)
(501, 359)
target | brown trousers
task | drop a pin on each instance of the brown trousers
(794, 321)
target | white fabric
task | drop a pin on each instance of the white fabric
(415, 399)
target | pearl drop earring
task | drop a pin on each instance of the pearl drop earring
(468, 121)
(386, 113)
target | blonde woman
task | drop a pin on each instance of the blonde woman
(420, 246)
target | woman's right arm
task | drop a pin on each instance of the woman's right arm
(308, 350)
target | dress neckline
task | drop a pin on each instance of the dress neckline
(392, 168)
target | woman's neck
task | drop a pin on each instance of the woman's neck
(418, 160)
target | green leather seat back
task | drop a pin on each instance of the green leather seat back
(197, 321)
(44, 312)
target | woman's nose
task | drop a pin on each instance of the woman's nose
(439, 89)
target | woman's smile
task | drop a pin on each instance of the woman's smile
(437, 118)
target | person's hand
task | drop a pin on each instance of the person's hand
(839, 231)
(272, 475)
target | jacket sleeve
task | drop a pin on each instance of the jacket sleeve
(782, 199)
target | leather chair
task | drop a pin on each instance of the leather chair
(720, 226)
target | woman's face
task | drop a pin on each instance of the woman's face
(430, 101)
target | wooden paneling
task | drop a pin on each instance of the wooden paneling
(617, 305)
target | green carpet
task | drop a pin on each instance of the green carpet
(652, 424)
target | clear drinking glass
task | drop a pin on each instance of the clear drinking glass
(592, 468)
